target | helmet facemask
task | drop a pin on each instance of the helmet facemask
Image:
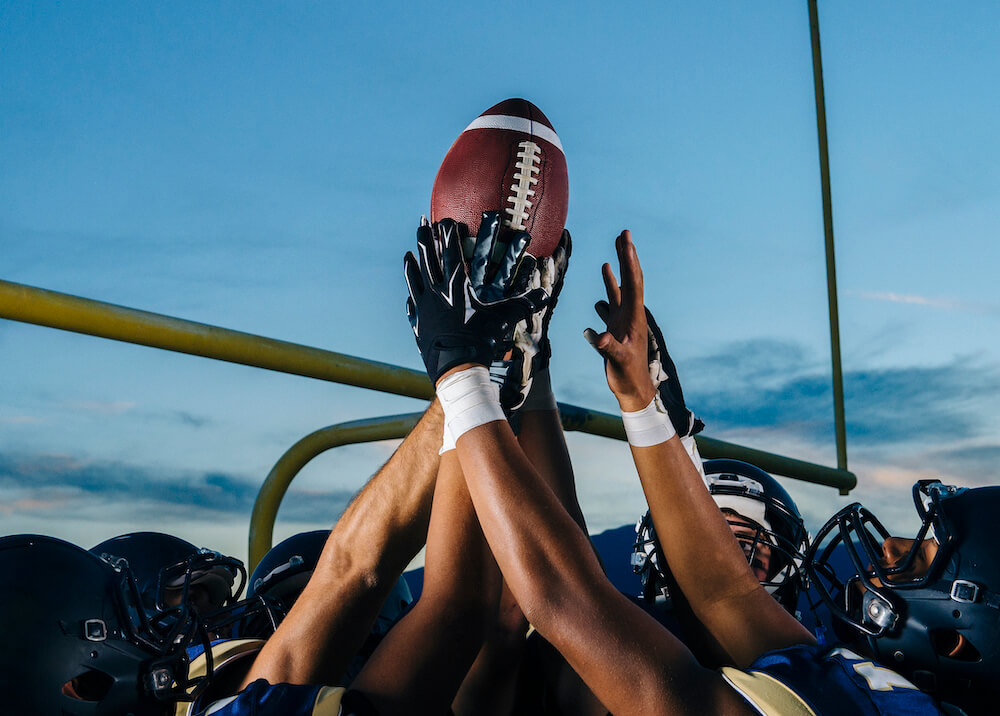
(927, 607)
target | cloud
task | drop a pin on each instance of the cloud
(950, 304)
(48, 485)
(186, 418)
(21, 419)
(971, 465)
(100, 407)
(28, 504)
(774, 384)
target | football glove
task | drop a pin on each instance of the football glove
(453, 322)
(531, 350)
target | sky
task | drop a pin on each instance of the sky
(263, 166)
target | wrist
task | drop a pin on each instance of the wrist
(648, 426)
(630, 401)
(469, 399)
(452, 371)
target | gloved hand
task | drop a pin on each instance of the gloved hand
(453, 322)
(531, 350)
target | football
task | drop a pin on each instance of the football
(509, 160)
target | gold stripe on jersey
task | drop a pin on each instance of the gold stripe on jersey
(222, 654)
(765, 693)
(328, 701)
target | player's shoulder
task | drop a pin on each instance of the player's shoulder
(815, 680)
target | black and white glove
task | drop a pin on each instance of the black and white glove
(453, 322)
(531, 350)
(663, 373)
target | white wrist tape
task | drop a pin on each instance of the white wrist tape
(469, 400)
(649, 426)
(447, 441)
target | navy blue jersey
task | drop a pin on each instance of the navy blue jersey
(263, 699)
(231, 660)
(818, 681)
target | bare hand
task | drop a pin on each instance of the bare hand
(624, 345)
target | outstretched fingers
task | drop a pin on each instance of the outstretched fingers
(482, 253)
(415, 286)
(603, 340)
(509, 262)
(631, 292)
(430, 259)
(450, 247)
(611, 285)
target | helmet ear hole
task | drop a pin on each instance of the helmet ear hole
(954, 645)
(88, 686)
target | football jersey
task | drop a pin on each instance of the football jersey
(231, 659)
(818, 681)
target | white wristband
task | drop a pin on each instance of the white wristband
(469, 400)
(649, 426)
(447, 441)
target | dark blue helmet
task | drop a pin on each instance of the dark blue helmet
(284, 571)
(165, 567)
(929, 607)
(765, 520)
(76, 639)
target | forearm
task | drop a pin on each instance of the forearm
(555, 577)
(385, 525)
(544, 444)
(373, 541)
(489, 687)
(521, 516)
(427, 654)
(697, 542)
(706, 560)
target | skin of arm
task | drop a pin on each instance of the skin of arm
(489, 687)
(369, 547)
(420, 664)
(699, 546)
(633, 665)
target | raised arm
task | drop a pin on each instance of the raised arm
(369, 547)
(704, 556)
(633, 665)
(526, 392)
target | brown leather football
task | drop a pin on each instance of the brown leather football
(509, 160)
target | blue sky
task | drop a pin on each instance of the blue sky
(262, 167)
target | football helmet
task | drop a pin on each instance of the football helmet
(764, 519)
(174, 577)
(77, 641)
(933, 614)
(283, 572)
(166, 567)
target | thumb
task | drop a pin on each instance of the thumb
(592, 337)
(603, 310)
(603, 343)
